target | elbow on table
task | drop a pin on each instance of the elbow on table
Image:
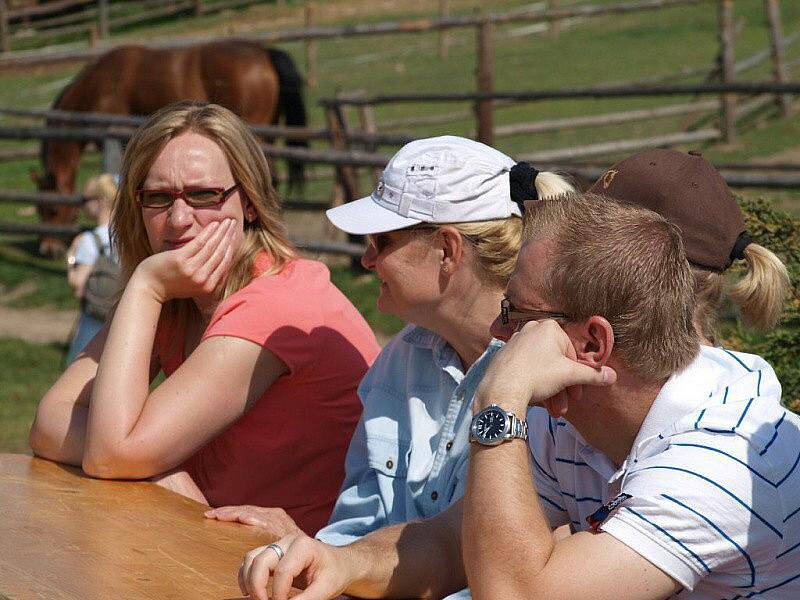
(115, 465)
(40, 443)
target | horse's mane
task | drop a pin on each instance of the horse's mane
(56, 104)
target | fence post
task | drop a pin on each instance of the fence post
(778, 55)
(555, 25)
(5, 38)
(198, 7)
(483, 108)
(727, 101)
(366, 116)
(444, 35)
(346, 187)
(311, 49)
(102, 19)
(112, 155)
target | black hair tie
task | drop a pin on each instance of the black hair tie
(522, 177)
(738, 248)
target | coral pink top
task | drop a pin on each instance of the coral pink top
(288, 450)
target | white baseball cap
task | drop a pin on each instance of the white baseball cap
(445, 179)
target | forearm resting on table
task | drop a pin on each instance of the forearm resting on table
(421, 559)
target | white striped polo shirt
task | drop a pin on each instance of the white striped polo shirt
(713, 478)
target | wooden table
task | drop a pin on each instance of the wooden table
(66, 536)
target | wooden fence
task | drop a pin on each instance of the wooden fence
(312, 34)
(95, 18)
(351, 148)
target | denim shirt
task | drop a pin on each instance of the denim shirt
(407, 459)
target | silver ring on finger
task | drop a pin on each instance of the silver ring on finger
(278, 550)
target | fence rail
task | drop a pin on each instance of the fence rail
(316, 33)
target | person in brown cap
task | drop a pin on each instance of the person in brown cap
(690, 192)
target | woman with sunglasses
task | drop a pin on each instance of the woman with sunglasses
(262, 354)
(443, 229)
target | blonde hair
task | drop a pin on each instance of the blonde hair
(626, 264)
(496, 243)
(759, 294)
(103, 187)
(265, 233)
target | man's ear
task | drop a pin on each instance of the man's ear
(451, 244)
(594, 341)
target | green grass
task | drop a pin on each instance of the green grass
(28, 371)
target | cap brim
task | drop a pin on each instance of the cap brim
(365, 216)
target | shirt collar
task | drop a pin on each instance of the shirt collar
(444, 355)
(683, 393)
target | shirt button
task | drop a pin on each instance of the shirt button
(389, 464)
(434, 495)
(449, 445)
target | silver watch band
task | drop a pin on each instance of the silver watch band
(518, 428)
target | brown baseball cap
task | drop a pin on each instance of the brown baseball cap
(689, 192)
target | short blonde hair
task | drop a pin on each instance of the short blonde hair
(266, 233)
(102, 187)
(626, 264)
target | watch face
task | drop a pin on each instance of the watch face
(490, 425)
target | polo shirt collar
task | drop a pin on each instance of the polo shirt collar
(677, 398)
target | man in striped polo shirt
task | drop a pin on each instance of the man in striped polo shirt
(660, 468)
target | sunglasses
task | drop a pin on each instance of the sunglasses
(194, 197)
(508, 313)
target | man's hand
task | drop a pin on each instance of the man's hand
(274, 521)
(324, 570)
(538, 365)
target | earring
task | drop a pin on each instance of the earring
(445, 268)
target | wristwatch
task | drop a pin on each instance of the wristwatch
(493, 425)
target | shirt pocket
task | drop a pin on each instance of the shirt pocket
(388, 456)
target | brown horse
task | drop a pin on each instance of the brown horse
(256, 83)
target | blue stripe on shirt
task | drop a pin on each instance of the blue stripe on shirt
(541, 468)
(546, 499)
(737, 359)
(769, 589)
(696, 423)
(714, 483)
(789, 550)
(744, 412)
(582, 499)
(577, 463)
(718, 451)
(774, 435)
(670, 536)
(791, 514)
(722, 533)
(790, 470)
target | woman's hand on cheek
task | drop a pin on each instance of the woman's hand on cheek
(193, 270)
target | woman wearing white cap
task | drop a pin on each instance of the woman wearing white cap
(443, 228)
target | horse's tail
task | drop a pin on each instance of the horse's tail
(290, 103)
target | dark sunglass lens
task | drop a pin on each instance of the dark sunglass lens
(203, 197)
(155, 199)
